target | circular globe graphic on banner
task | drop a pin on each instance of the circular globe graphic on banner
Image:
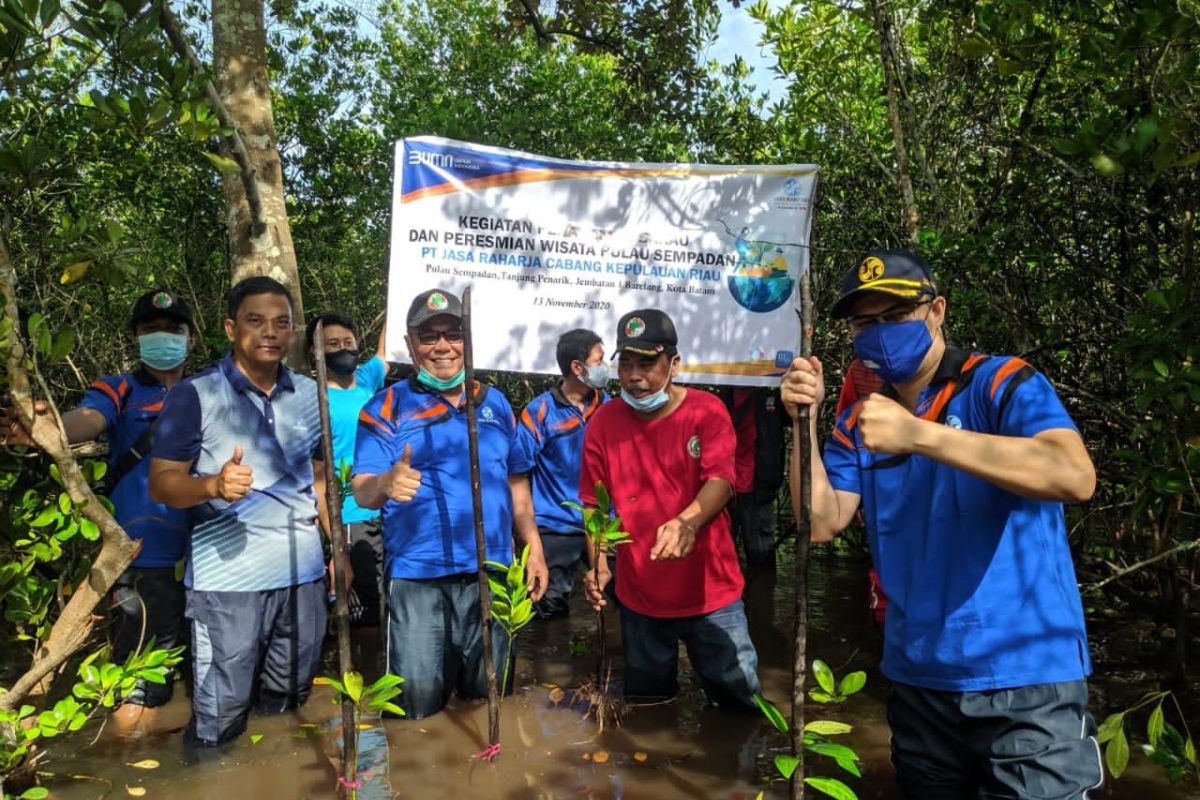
(764, 277)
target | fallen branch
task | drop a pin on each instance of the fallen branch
(73, 627)
(1176, 550)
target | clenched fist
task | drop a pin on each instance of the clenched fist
(886, 426)
(803, 385)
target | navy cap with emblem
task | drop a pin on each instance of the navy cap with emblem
(896, 272)
(646, 332)
(433, 303)
(161, 303)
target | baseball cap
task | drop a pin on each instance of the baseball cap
(433, 303)
(161, 303)
(646, 332)
(896, 272)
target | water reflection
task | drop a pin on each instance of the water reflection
(668, 751)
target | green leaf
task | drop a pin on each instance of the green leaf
(89, 530)
(64, 503)
(853, 683)
(1116, 754)
(824, 675)
(827, 727)
(226, 166)
(1189, 751)
(846, 758)
(36, 793)
(255, 738)
(786, 764)
(1161, 367)
(603, 500)
(64, 343)
(772, 713)
(822, 697)
(354, 685)
(832, 787)
(1106, 165)
(1109, 728)
(1154, 726)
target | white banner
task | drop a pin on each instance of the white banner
(550, 245)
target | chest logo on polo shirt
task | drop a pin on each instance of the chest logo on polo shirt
(954, 422)
(693, 447)
(487, 415)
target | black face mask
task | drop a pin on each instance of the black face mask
(342, 362)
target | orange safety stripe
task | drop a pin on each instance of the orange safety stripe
(434, 410)
(155, 407)
(385, 410)
(844, 439)
(587, 413)
(852, 420)
(568, 424)
(527, 421)
(1014, 364)
(109, 391)
(367, 419)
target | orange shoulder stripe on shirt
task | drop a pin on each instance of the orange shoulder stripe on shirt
(1014, 364)
(108, 390)
(844, 439)
(366, 419)
(852, 420)
(568, 424)
(154, 406)
(385, 410)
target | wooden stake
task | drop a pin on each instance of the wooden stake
(801, 438)
(485, 596)
(337, 544)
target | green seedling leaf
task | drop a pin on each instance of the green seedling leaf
(354, 685)
(832, 787)
(822, 697)
(1116, 754)
(827, 727)
(786, 764)
(824, 676)
(1154, 726)
(1110, 727)
(772, 713)
(255, 738)
(852, 683)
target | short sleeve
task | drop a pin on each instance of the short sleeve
(371, 375)
(841, 454)
(530, 433)
(718, 443)
(105, 396)
(373, 444)
(519, 461)
(1023, 402)
(178, 433)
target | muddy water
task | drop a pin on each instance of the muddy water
(675, 750)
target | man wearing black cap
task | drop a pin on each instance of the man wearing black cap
(666, 457)
(412, 460)
(962, 463)
(123, 408)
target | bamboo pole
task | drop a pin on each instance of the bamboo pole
(801, 438)
(337, 544)
(485, 602)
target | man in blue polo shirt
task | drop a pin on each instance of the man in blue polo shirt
(351, 385)
(147, 597)
(550, 434)
(412, 460)
(962, 463)
(238, 444)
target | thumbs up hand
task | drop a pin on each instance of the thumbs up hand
(402, 481)
(234, 480)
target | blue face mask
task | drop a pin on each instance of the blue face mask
(650, 402)
(162, 349)
(595, 375)
(440, 384)
(894, 350)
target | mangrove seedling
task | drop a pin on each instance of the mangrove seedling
(1175, 752)
(511, 607)
(603, 528)
(817, 733)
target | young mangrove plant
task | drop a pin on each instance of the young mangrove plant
(817, 733)
(1175, 752)
(511, 607)
(603, 528)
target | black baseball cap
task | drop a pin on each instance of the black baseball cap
(433, 303)
(646, 332)
(896, 272)
(161, 303)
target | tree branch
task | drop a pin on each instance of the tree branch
(73, 627)
(236, 146)
(1177, 549)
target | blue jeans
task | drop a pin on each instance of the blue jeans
(435, 642)
(718, 646)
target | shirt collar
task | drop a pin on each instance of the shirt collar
(951, 365)
(238, 380)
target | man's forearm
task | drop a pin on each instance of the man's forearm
(368, 491)
(712, 497)
(825, 511)
(180, 490)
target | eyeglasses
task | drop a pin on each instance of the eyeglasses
(431, 337)
(897, 313)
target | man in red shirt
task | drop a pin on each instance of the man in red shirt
(665, 454)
